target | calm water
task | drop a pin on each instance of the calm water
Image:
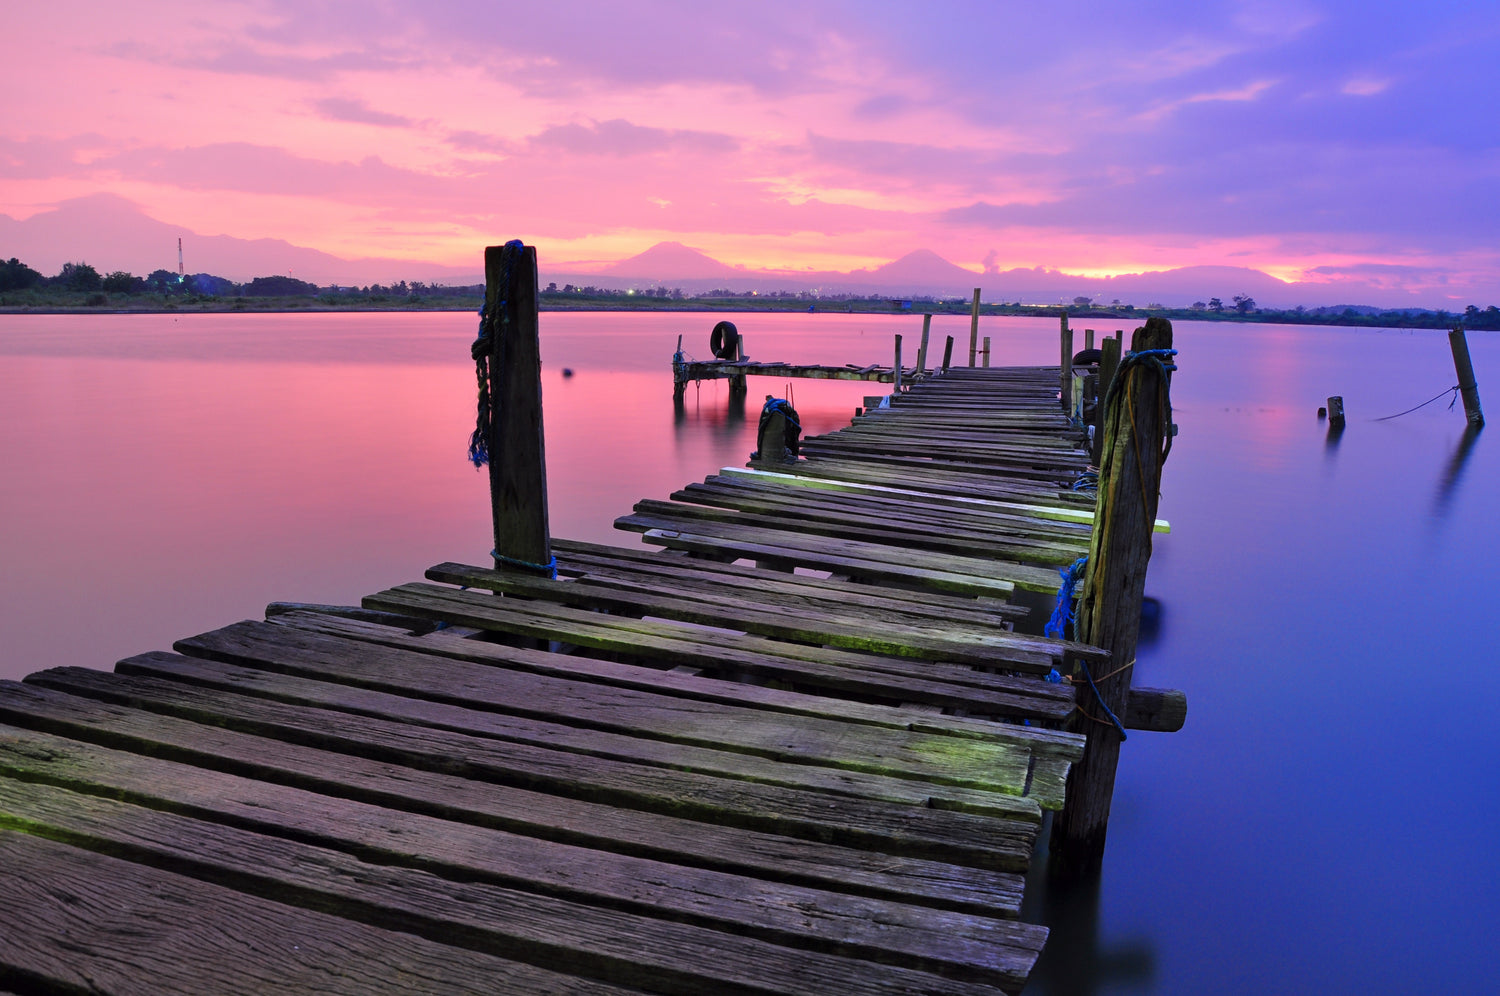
(1323, 824)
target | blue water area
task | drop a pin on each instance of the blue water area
(1321, 825)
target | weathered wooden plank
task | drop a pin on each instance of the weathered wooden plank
(606, 932)
(98, 924)
(725, 652)
(995, 647)
(928, 833)
(463, 801)
(570, 715)
(695, 686)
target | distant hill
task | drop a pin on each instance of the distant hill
(671, 261)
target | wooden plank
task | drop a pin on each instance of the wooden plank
(695, 686)
(942, 835)
(535, 814)
(570, 715)
(606, 925)
(996, 647)
(719, 650)
(99, 924)
(944, 572)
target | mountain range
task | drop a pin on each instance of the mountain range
(113, 233)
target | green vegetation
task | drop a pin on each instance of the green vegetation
(79, 287)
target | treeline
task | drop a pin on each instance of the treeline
(81, 278)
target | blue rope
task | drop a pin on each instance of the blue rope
(480, 350)
(783, 406)
(1100, 699)
(1057, 626)
(1088, 481)
(549, 568)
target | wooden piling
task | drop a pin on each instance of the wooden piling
(948, 353)
(986, 351)
(896, 368)
(1464, 367)
(974, 326)
(1137, 427)
(1336, 410)
(1065, 380)
(518, 467)
(679, 378)
(1109, 361)
(1088, 338)
(922, 349)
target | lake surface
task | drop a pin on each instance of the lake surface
(1323, 824)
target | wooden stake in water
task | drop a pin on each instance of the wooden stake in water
(986, 351)
(948, 354)
(1467, 387)
(518, 464)
(1336, 410)
(1065, 341)
(1088, 338)
(974, 326)
(922, 348)
(896, 368)
(1109, 609)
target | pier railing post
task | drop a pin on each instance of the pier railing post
(1137, 429)
(518, 468)
(974, 327)
(1065, 378)
(1109, 359)
(922, 348)
(1464, 367)
(948, 354)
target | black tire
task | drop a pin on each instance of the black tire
(1084, 357)
(724, 341)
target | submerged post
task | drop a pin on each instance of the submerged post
(974, 326)
(1137, 436)
(1464, 367)
(518, 469)
(1065, 379)
(922, 347)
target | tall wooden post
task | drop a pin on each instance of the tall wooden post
(1088, 338)
(948, 354)
(1109, 360)
(518, 464)
(974, 326)
(1467, 386)
(1109, 611)
(986, 351)
(896, 368)
(922, 348)
(1065, 380)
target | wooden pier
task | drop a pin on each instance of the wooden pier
(803, 748)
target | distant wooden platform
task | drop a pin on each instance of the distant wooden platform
(801, 749)
(688, 370)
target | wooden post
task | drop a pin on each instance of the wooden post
(1465, 369)
(948, 354)
(1109, 360)
(518, 464)
(679, 377)
(1088, 338)
(1065, 386)
(986, 351)
(896, 368)
(1336, 410)
(922, 348)
(974, 326)
(1109, 610)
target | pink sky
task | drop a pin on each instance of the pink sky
(1345, 142)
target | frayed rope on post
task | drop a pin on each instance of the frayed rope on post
(549, 568)
(1062, 614)
(481, 350)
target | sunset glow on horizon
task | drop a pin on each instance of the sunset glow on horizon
(1340, 145)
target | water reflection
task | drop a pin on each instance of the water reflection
(1454, 472)
(1331, 442)
(1075, 962)
(722, 419)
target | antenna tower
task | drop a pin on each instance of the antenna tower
(179, 257)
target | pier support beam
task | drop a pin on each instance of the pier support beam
(518, 468)
(1109, 360)
(1065, 378)
(974, 327)
(1137, 427)
(948, 354)
(1464, 367)
(922, 349)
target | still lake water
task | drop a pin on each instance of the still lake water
(1324, 824)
